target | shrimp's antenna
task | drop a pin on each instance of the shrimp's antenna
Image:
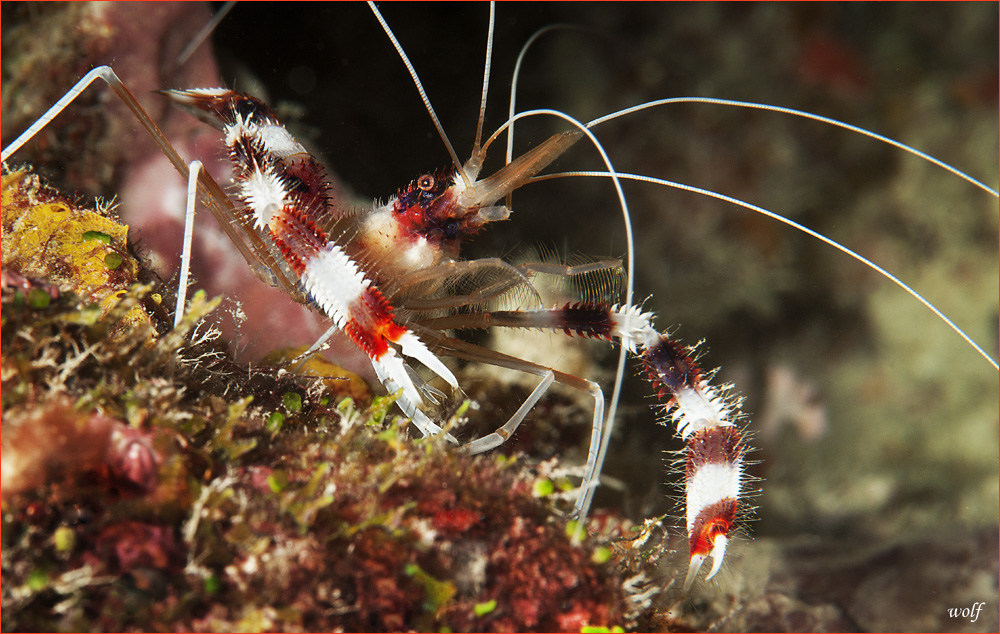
(423, 93)
(205, 31)
(805, 115)
(514, 79)
(804, 229)
(476, 161)
(596, 462)
(829, 121)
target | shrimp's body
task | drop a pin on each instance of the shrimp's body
(841, 356)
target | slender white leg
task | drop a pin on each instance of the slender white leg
(500, 436)
(471, 352)
(101, 72)
(193, 169)
(258, 253)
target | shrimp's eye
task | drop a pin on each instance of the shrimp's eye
(425, 183)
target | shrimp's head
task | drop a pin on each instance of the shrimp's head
(448, 207)
(433, 209)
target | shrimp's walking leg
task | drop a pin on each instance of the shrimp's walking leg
(259, 255)
(471, 352)
(216, 199)
(603, 279)
(193, 169)
(500, 435)
(506, 277)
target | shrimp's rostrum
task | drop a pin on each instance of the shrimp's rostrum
(873, 418)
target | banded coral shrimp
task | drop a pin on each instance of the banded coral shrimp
(836, 329)
(785, 334)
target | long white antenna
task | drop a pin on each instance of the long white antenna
(815, 234)
(423, 94)
(486, 87)
(514, 79)
(804, 115)
(205, 31)
(596, 462)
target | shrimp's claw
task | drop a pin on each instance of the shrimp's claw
(717, 553)
(709, 522)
